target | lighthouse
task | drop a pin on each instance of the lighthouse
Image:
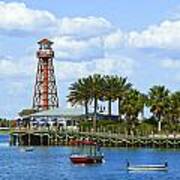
(45, 89)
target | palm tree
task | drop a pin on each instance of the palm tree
(174, 109)
(123, 88)
(110, 90)
(86, 90)
(132, 105)
(80, 93)
(158, 102)
(96, 83)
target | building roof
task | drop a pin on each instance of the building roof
(45, 41)
(57, 112)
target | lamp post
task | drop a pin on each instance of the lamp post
(101, 109)
(94, 122)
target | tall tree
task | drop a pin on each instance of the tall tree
(110, 90)
(96, 83)
(174, 108)
(80, 93)
(132, 105)
(158, 102)
(123, 87)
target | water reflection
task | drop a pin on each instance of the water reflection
(46, 163)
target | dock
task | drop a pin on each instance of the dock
(45, 137)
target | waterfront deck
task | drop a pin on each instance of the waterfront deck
(45, 137)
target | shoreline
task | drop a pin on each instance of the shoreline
(47, 138)
(4, 132)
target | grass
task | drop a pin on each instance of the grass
(144, 128)
(4, 132)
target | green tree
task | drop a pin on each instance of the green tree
(26, 112)
(110, 90)
(96, 83)
(158, 102)
(122, 90)
(173, 114)
(80, 93)
(132, 105)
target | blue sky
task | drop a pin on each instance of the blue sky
(138, 39)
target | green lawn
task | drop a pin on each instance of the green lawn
(4, 131)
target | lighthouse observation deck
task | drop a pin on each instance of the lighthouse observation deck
(45, 49)
(45, 53)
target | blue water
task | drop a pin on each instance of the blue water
(52, 163)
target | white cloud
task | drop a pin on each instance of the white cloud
(165, 35)
(115, 65)
(68, 71)
(170, 64)
(13, 68)
(68, 48)
(78, 38)
(84, 26)
(16, 16)
(114, 40)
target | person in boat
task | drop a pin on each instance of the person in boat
(128, 164)
(98, 147)
(166, 164)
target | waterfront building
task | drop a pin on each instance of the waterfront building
(66, 118)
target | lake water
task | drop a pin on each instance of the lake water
(46, 163)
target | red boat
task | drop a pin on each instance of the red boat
(92, 153)
(85, 159)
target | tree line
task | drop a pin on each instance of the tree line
(162, 103)
(4, 122)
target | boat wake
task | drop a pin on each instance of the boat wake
(4, 144)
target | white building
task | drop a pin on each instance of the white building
(58, 117)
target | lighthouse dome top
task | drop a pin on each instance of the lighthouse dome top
(45, 44)
(45, 41)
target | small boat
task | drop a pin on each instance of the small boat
(28, 149)
(92, 153)
(85, 159)
(149, 167)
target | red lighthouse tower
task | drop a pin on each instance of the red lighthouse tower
(45, 90)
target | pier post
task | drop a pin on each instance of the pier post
(48, 139)
(29, 139)
(20, 140)
(167, 142)
(41, 139)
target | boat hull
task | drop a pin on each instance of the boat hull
(148, 168)
(28, 149)
(86, 159)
